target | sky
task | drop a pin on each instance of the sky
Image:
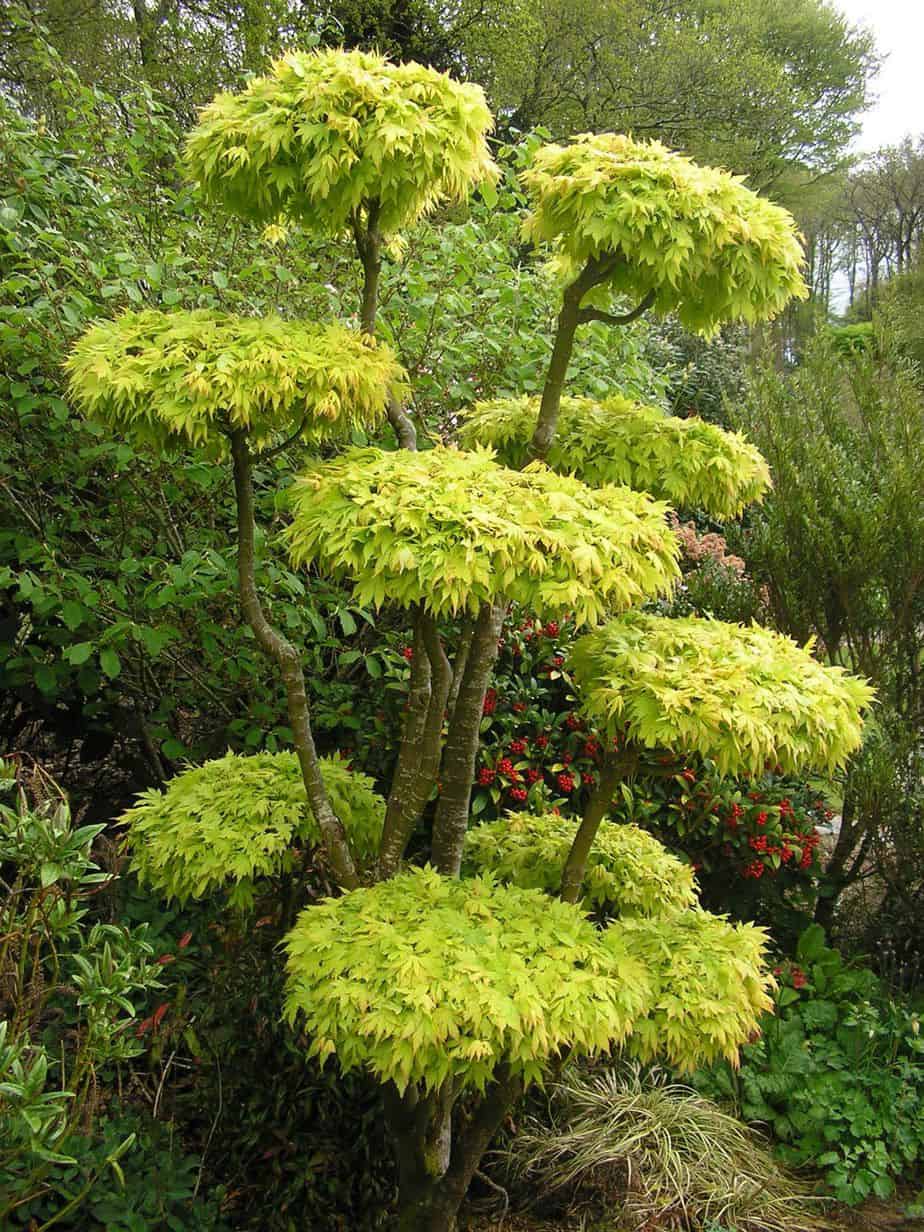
(898, 26)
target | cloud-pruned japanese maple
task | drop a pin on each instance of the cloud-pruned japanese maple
(628, 873)
(239, 819)
(192, 378)
(691, 463)
(453, 531)
(741, 697)
(436, 983)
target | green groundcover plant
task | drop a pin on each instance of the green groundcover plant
(837, 1074)
(456, 992)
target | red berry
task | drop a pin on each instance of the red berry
(565, 782)
(408, 653)
(518, 794)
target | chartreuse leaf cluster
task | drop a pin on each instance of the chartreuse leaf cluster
(629, 873)
(188, 378)
(454, 530)
(423, 978)
(710, 986)
(235, 819)
(327, 132)
(710, 249)
(691, 463)
(740, 696)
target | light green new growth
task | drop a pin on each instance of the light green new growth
(235, 819)
(629, 873)
(454, 530)
(423, 978)
(328, 132)
(188, 378)
(709, 248)
(710, 987)
(691, 463)
(743, 697)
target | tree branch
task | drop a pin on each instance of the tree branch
(286, 656)
(612, 318)
(613, 770)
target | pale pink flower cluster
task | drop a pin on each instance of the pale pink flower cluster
(696, 548)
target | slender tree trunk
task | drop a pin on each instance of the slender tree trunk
(288, 660)
(549, 407)
(368, 240)
(612, 771)
(462, 740)
(421, 744)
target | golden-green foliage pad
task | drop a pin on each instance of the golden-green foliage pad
(740, 696)
(234, 820)
(326, 132)
(711, 987)
(424, 978)
(187, 378)
(629, 873)
(691, 463)
(454, 530)
(712, 249)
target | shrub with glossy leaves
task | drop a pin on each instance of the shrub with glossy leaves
(424, 978)
(709, 248)
(628, 872)
(689, 462)
(234, 820)
(710, 986)
(186, 378)
(327, 132)
(455, 530)
(742, 697)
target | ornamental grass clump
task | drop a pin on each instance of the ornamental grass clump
(656, 1150)
(435, 983)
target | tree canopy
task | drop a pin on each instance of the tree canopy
(235, 819)
(327, 133)
(454, 530)
(742, 697)
(181, 378)
(629, 873)
(688, 462)
(425, 978)
(655, 224)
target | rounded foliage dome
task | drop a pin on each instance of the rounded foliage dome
(454, 530)
(326, 132)
(424, 978)
(629, 873)
(710, 248)
(743, 697)
(710, 986)
(188, 378)
(691, 463)
(234, 820)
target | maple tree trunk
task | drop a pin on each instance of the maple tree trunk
(288, 660)
(461, 749)
(436, 1166)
